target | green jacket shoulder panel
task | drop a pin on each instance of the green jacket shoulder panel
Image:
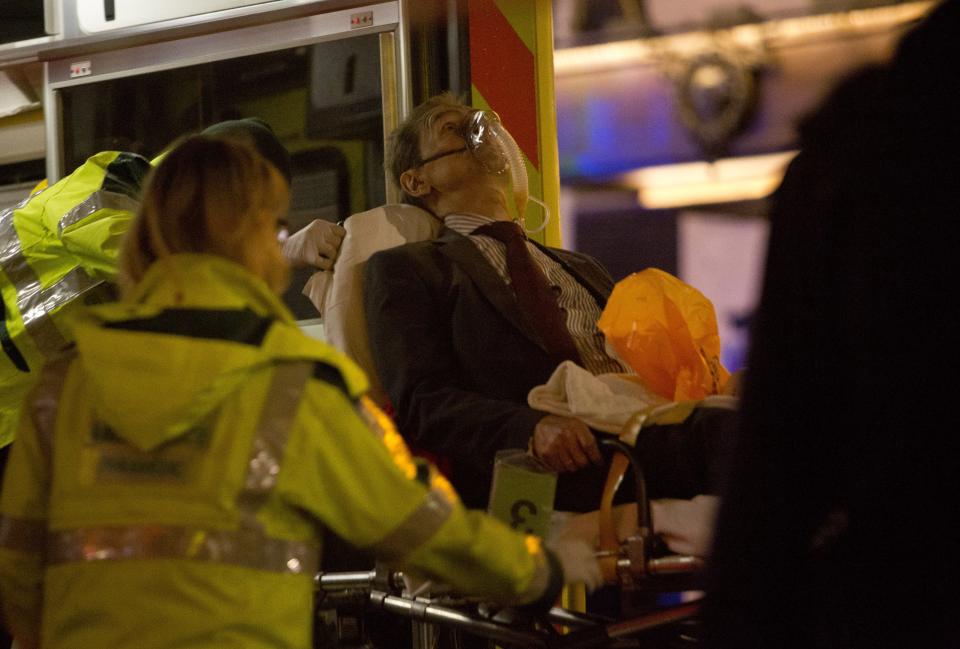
(286, 341)
(114, 171)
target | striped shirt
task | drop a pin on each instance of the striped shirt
(574, 299)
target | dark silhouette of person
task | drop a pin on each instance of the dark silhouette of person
(839, 521)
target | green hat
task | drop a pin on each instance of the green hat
(262, 136)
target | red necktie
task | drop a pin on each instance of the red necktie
(538, 302)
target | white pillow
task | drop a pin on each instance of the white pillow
(345, 323)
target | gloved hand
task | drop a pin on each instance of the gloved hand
(315, 245)
(686, 525)
(579, 563)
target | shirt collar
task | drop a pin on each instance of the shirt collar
(465, 224)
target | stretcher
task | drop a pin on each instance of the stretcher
(637, 566)
(560, 628)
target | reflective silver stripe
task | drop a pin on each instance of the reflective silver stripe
(34, 302)
(22, 534)
(23, 201)
(249, 546)
(36, 307)
(417, 528)
(45, 402)
(45, 334)
(9, 241)
(98, 200)
(245, 547)
(73, 284)
(276, 419)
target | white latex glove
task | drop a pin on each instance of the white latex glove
(315, 245)
(579, 563)
(686, 526)
(586, 527)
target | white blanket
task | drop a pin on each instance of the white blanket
(603, 402)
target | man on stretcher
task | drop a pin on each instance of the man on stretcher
(459, 339)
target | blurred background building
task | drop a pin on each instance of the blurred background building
(676, 120)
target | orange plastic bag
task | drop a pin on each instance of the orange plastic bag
(667, 331)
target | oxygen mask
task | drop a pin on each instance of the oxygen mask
(497, 152)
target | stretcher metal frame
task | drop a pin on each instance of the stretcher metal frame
(632, 566)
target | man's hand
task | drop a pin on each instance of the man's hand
(315, 245)
(564, 444)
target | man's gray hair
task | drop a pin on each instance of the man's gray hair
(404, 150)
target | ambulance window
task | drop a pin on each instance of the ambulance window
(323, 100)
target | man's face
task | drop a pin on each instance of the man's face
(442, 145)
(447, 171)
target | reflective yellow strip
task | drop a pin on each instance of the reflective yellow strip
(541, 575)
(380, 423)
(417, 528)
(245, 547)
(22, 534)
(98, 200)
(442, 494)
(375, 418)
(440, 483)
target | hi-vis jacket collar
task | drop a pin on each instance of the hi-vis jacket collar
(243, 323)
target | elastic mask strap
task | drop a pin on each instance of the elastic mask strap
(442, 154)
(546, 217)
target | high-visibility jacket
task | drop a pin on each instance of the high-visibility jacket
(56, 249)
(171, 481)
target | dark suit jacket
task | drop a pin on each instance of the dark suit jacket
(458, 360)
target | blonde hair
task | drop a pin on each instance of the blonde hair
(208, 195)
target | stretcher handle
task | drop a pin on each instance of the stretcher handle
(430, 613)
(609, 543)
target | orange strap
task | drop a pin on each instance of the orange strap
(609, 543)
